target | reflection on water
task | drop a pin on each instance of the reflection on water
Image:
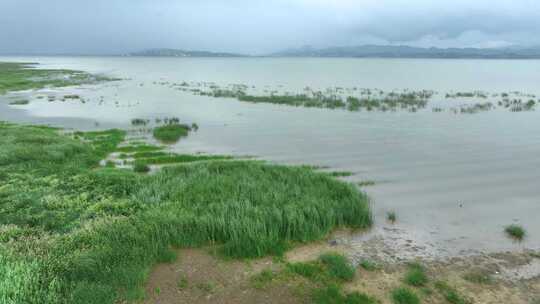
(454, 181)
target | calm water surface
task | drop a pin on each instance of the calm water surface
(454, 180)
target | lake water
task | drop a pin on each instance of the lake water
(454, 180)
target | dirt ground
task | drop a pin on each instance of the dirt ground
(198, 276)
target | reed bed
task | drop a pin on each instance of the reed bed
(74, 232)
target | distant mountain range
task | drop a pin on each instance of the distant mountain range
(182, 53)
(378, 51)
(367, 51)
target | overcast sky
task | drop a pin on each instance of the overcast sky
(260, 26)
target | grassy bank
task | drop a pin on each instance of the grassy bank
(73, 232)
(24, 76)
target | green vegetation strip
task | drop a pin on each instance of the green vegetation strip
(24, 76)
(171, 133)
(72, 232)
(326, 277)
(178, 158)
(390, 101)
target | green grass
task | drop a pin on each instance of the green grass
(179, 158)
(478, 277)
(141, 167)
(416, 275)
(338, 266)
(72, 232)
(515, 232)
(24, 76)
(171, 133)
(138, 148)
(404, 295)
(182, 282)
(263, 279)
(307, 270)
(332, 294)
(341, 173)
(369, 265)
(450, 294)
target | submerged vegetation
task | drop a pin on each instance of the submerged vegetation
(24, 76)
(73, 232)
(384, 102)
(362, 99)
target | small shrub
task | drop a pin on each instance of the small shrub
(338, 266)
(391, 216)
(307, 270)
(515, 231)
(404, 296)
(478, 277)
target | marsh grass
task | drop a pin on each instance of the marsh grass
(73, 232)
(330, 99)
(178, 158)
(366, 183)
(404, 295)
(24, 76)
(341, 173)
(479, 277)
(263, 279)
(450, 294)
(515, 232)
(19, 102)
(338, 266)
(369, 265)
(138, 148)
(332, 294)
(141, 167)
(416, 275)
(171, 133)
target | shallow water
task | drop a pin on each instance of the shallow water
(454, 180)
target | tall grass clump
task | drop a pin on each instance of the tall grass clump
(416, 275)
(338, 266)
(332, 294)
(404, 295)
(72, 232)
(450, 294)
(515, 232)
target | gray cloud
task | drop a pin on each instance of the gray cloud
(257, 26)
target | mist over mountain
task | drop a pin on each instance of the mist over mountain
(181, 53)
(364, 51)
(380, 51)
